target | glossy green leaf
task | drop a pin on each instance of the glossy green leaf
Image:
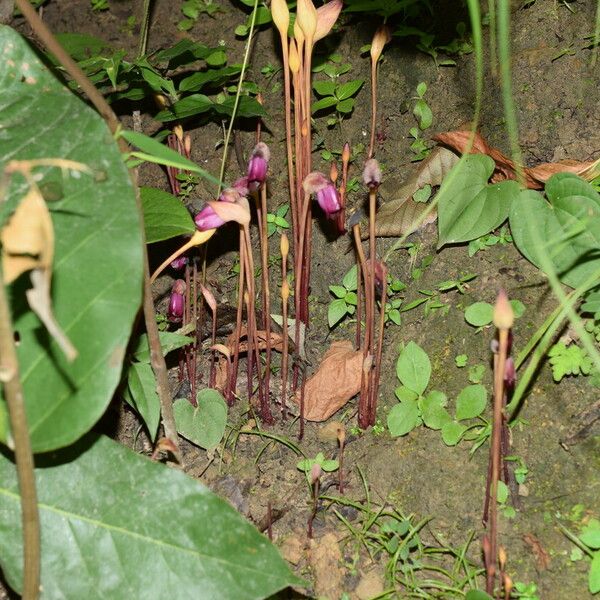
(351, 278)
(594, 574)
(169, 341)
(117, 525)
(214, 77)
(433, 413)
(324, 88)
(336, 312)
(590, 534)
(566, 228)
(403, 417)
(471, 402)
(414, 368)
(97, 277)
(452, 432)
(204, 424)
(154, 151)
(141, 395)
(349, 89)
(468, 206)
(165, 216)
(323, 103)
(479, 314)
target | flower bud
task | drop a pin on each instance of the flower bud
(177, 301)
(510, 373)
(284, 246)
(503, 312)
(207, 219)
(258, 166)
(315, 473)
(380, 39)
(372, 174)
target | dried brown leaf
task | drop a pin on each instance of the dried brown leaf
(541, 555)
(336, 381)
(402, 215)
(535, 177)
(27, 238)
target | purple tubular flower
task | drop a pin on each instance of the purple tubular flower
(326, 193)
(179, 263)
(258, 166)
(177, 301)
(207, 218)
(329, 200)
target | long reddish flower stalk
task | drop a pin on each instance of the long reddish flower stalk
(503, 320)
(382, 36)
(285, 294)
(232, 381)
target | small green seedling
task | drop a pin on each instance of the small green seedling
(569, 360)
(276, 222)
(326, 465)
(480, 314)
(99, 5)
(525, 591)
(416, 407)
(484, 242)
(345, 298)
(503, 496)
(421, 109)
(336, 96)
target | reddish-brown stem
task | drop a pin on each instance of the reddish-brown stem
(238, 324)
(266, 415)
(284, 326)
(363, 414)
(341, 468)
(315, 493)
(213, 340)
(373, 105)
(288, 129)
(495, 450)
(266, 292)
(358, 302)
(378, 352)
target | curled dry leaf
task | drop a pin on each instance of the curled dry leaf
(334, 384)
(402, 215)
(541, 555)
(28, 245)
(535, 177)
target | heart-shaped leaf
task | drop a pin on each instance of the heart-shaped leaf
(468, 206)
(97, 269)
(566, 228)
(203, 425)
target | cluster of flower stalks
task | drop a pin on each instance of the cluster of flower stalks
(255, 338)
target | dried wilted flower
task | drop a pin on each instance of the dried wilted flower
(315, 473)
(372, 174)
(326, 193)
(258, 166)
(380, 39)
(241, 186)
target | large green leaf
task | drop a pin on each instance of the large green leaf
(97, 278)
(116, 525)
(165, 216)
(468, 206)
(566, 229)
